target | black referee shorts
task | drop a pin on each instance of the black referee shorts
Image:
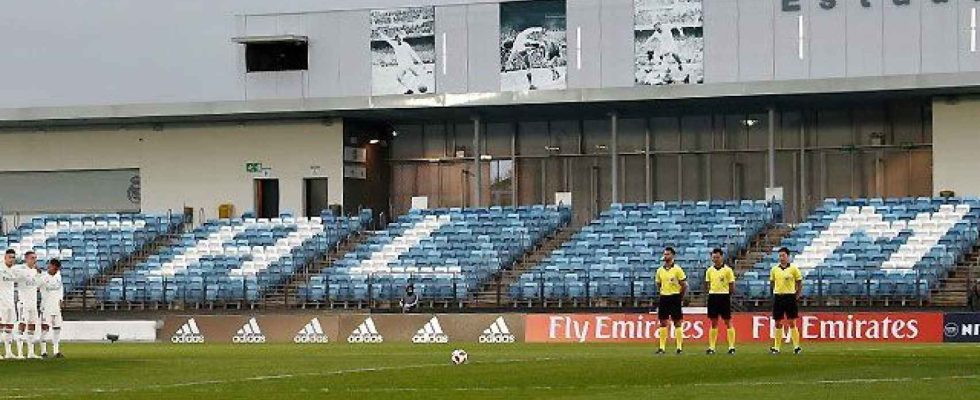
(670, 308)
(720, 305)
(784, 306)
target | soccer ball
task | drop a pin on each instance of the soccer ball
(459, 357)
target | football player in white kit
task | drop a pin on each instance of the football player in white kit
(52, 293)
(522, 46)
(27, 287)
(8, 310)
(409, 64)
(666, 50)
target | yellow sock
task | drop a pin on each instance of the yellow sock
(712, 338)
(662, 332)
(731, 338)
(679, 333)
(777, 338)
(795, 333)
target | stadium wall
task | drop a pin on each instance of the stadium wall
(140, 58)
(956, 163)
(193, 165)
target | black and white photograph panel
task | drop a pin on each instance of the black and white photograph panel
(668, 42)
(533, 45)
(403, 50)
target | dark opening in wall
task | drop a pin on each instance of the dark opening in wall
(276, 56)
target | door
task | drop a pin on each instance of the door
(267, 198)
(316, 196)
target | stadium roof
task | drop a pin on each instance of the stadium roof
(573, 103)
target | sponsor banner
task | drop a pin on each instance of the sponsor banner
(432, 328)
(961, 327)
(484, 328)
(626, 328)
(300, 328)
(345, 328)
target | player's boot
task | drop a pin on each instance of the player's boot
(709, 352)
(44, 355)
(798, 350)
(679, 351)
(59, 355)
(773, 351)
(731, 351)
(660, 352)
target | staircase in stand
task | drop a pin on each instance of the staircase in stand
(495, 291)
(88, 296)
(761, 246)
(285, 295)
(954, 290)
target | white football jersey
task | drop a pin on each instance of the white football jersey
(27, 285)
(52, 291)
(8, 276)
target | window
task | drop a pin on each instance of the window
(276, 56)
(501, 182)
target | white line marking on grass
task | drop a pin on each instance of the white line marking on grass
(262, 378)
(622, 387)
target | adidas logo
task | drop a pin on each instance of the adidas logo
(311, 333)
(431, 332)
(366, 332)
(498, 332)
(250, 333)
(188, 333)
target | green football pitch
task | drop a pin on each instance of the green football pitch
(517, 371)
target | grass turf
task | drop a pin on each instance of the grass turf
(519, 371)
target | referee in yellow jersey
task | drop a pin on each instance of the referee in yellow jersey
(787, 285)
(721, 284)
(672, 285)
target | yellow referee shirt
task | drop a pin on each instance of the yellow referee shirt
(784, 279)
(719, 279)
(670, 280)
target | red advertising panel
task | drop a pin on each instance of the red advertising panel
(920, 327)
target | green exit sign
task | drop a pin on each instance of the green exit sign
(253, 167)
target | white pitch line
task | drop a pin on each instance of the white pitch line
(608, 387)
(261, 378)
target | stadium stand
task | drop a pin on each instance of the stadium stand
(87, 244)
(898, 248)
(232, 259)
(616, 255)
(445, 253)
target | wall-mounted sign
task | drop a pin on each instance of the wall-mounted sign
(355, 171)
(355, 154)
(794, 5)
(253, 167)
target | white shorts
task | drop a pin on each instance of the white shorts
(28, 314)
(8, 315)
(51, 317)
